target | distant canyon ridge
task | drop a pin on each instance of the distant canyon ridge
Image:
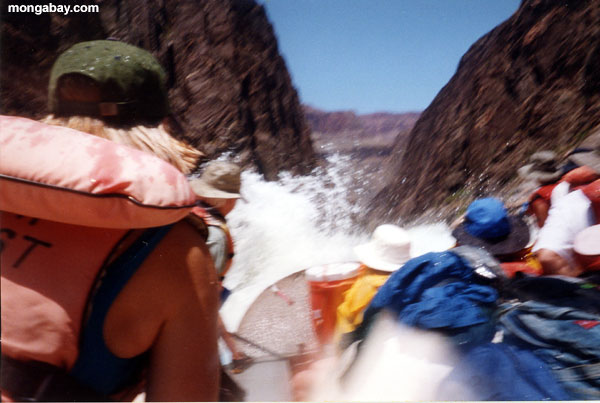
(378, 123)
(348, 131)
(367, 139)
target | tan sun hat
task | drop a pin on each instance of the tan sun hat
(388, 249)
(220, 180)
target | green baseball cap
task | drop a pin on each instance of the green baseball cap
(130, 81)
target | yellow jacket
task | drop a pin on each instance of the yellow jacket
(356, 299)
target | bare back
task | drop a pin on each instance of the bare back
(170, 307)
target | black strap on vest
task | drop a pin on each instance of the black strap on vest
(40, 381)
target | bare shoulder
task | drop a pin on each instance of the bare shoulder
(183, 260)
(183, 252)
(178, 273)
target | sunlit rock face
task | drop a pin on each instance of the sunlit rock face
(228, 85)
(531, 83)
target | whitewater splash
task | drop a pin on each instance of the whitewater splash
(297, 222)
(396, 363)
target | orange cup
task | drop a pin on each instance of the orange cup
(328, 283)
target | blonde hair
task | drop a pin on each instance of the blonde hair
(155, 140)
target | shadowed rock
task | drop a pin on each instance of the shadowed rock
(228, 85)
(531, 83)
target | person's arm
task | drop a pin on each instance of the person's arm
(184, 363)
(228, 339)
(170, 307)
(239, 360)
(540, 208)
(217, 246)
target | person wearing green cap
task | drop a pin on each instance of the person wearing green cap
(158, 326)
(117, 91)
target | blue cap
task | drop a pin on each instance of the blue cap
(487, 218)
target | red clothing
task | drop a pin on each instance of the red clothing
(592, 191)
(588, 263)
(543, 193)
(578, 177)
(512, 268)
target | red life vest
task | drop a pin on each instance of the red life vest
(592, 191)
(577, 177)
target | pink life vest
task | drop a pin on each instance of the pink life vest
(67, 199)
(64, 175)
(48, 270)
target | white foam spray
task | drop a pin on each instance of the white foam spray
(295, 223)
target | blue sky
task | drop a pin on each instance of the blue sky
(378, 55)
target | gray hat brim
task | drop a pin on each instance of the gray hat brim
(590, 159)
(516, 240)
(203, 189)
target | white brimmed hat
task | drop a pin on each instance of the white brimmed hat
(220, 180)
(388, 249)
(587, 242)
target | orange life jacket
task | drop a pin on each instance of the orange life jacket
(523, 261)
(527, 267)
(48, 270)
(68, 199)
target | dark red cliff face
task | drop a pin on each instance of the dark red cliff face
(228, 85)
(531, 83)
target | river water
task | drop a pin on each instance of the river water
(298, 222)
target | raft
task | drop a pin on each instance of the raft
(278, 334)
